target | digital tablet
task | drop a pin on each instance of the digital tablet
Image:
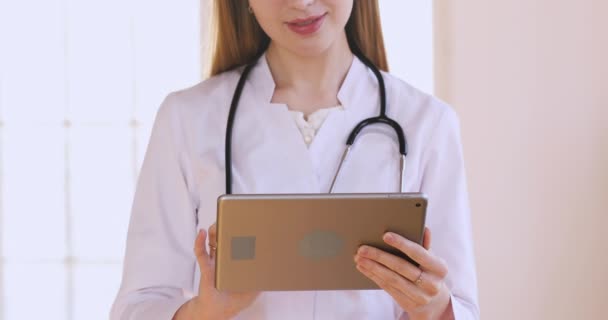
(308, 241)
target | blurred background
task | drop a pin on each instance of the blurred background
(81, 80)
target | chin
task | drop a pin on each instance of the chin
(309, 47)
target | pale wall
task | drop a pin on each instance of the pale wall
(529, 81)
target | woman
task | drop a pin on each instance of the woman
(304, 94)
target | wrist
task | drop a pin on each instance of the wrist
(440, 310)
(202, 311)
(187, 311)
(448, 311)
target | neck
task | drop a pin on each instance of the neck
(318, 75)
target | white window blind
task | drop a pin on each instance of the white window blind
(80, 83)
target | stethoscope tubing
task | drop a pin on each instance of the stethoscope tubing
(382, 118)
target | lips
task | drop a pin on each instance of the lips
(306, 20)
(307, 25)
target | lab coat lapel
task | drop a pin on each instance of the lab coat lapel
(269, 155)
(268, 150)
(330, 141)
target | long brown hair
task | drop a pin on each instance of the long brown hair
(238, 39)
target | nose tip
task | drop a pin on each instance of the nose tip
(301, 4)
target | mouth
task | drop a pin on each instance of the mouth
(306, 21)
(307, 25)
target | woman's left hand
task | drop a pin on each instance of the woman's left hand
(420, 291)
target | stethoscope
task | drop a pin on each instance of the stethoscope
(382, 118)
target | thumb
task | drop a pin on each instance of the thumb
(204, 259)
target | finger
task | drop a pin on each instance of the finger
(397, 264)
(203, 258)
(199, 246)
(385, 277)
(213, 234)
(212, 240)
(427, 261)
(404, 301)
(426, 239)
(430, 285)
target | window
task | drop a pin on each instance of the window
(80, 83)
(408, 38)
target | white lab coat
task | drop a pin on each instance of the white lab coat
(183, 174)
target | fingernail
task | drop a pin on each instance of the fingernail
(363, 251)
(388, 237)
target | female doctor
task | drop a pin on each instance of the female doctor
(304, 72)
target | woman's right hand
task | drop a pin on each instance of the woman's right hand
(211, 303)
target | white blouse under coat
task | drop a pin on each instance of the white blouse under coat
(310, 124)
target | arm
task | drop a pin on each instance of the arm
(443, 284)
(159, 263)
(444, 182)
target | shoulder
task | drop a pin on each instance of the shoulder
(413, 107)
(195, 110)
(428, 122)
(210, 93)
(416, 102)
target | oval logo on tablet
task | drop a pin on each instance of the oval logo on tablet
(321, 245)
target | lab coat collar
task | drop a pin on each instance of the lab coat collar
(263, 82)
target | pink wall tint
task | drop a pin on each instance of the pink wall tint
(529, 80)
